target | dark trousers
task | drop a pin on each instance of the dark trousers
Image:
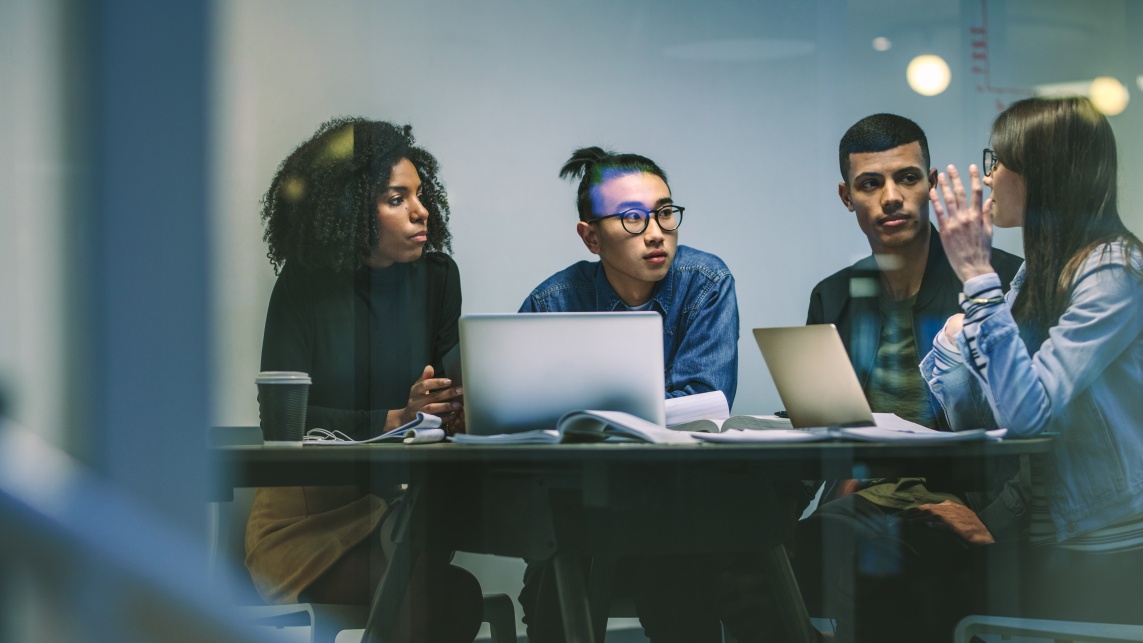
(884, 579)
(683, 599)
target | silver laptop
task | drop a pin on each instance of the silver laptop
(814, 376)
(523, 371)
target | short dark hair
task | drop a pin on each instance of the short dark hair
(878, 133)
(592, 165)
(321, 208)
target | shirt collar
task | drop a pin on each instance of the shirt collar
(662, 295)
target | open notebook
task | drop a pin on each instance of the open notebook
(707, 417)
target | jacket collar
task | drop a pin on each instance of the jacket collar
(937, 273)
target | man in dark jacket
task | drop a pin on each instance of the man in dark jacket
(864, 550)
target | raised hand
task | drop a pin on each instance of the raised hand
(427, 395)
(965, 223)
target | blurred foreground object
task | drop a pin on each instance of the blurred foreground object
(101, 568)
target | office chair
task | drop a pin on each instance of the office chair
(1061, 631)
(499, 613)
(228, 548)
(228, 533)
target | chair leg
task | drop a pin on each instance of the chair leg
(500, 615)
(788, 597)
(573, 598)
(327, 620)
(600, 587)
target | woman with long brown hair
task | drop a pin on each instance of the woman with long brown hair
(1062, 352)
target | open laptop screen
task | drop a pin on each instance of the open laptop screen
(813, 375)
(523, 371)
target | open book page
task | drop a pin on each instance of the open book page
(749, 422)
(701, 406)
(741, 436)
(424, 428)
(700, 426)
(539, 436)
(596, 426)
(757, 422)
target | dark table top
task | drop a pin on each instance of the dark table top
(257, 465)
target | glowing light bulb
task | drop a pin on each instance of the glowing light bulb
(881, 43)
(928, 75)
(1108, 95)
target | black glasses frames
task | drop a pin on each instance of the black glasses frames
(635, 221)
(990, 162)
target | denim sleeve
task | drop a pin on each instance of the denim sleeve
(1004, 516)
(956, 389)
(707, 357)
(530, 306)
(1104, 315)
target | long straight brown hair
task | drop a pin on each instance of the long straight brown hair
(1065, 151)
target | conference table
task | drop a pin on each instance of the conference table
(568, 502)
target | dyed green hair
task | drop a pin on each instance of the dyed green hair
(594, 165)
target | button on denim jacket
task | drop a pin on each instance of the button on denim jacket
(698, 305)
(1085, 382)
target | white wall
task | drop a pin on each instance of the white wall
(35, 171)
(741, 103)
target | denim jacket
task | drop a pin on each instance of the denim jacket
(1085, 382)
(698, 305)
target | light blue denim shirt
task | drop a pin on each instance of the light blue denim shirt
(1085, 382)
(699, 309)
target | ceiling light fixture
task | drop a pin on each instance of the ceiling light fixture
(928, 74)
(1108, 95)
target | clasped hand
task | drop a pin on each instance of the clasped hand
(434, 396)
(965, 223)
(954, 517)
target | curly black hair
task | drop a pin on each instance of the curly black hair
(321, 208)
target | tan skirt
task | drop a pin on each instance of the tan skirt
(295, 534)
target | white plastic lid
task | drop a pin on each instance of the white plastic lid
(282, 377)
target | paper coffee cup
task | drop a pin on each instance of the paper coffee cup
(282, 399)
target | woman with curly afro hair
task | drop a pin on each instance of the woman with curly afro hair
(367, 303)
